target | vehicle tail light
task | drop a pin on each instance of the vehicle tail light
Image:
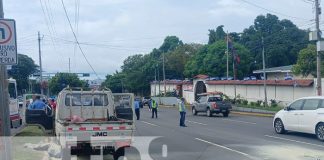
(215, 105)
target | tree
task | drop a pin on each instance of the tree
(21, 72)
(177, 59)
(306, 63)
(211, 60)
(216, 35)
(62, 80)
(170, 43)
(115, 82)
(281, 39)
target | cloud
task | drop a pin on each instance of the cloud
(225, 8)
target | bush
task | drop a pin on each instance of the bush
(245, 102)
(273, 103)
(259, 102)
(253, 103)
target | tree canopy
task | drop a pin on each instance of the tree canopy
(282, 40)
(62, 80)
(21, 72)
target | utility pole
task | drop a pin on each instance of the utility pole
(164, 82)
(40, 63)
(155, 80)
(227, 50)
(318, 57)
(5, 132)
(264, 76)
(69, 65)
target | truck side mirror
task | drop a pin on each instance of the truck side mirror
(286, 108)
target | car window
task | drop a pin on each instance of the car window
(311, 104)
(203, 99)
(321, 104)
(296, 105)
(214, 99)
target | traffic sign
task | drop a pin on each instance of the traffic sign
(8, 43)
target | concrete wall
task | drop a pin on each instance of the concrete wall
(283, 94)
(168, 101)
(155, 88)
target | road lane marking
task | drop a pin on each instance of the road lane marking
(150, 123)
(291, 140)
(196, 123)
(217, 145)
(238, 121)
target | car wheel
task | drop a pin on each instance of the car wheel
(225, 114)
(279, 126)
(194, 111)
(320, 131)
(208, 113)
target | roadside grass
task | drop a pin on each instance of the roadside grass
(32, 135)
(269, 108)
(30, 131)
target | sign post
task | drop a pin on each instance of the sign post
(8, 56)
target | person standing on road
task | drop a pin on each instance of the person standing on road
(137, 109)
(182, 111)
(149, 103)
(154, 106)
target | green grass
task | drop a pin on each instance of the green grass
(30, 134)
(269, 108)
(31, 131)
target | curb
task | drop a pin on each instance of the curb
(253, 114)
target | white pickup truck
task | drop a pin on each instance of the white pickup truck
(90, 121)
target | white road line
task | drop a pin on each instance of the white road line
(150, 123)
(238, 121)
(291, 140)
(196, 123)
(217, 145)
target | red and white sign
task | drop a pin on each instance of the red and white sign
(8, 43)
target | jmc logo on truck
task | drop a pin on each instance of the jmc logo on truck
(8, 43)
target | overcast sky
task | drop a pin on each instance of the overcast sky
(120, 28)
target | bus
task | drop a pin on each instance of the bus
(15, 118)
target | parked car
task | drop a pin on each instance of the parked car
(246, 78)
(223, 78)
(146, 100)
(303, 115)
(288, 77)
(253, 78)
(214, 78)
(230, 78)
(211, 103)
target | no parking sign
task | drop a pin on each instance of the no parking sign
(8, 43)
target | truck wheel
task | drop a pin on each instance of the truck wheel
(194, 111)
(119, 153)
(226, 114)
(66, 154)
(208, 113)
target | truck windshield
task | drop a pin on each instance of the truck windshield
(78, 99)
(12, 90)
(214, 99)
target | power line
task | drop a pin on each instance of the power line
(76, 39)
(272, 11)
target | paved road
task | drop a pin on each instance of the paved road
(235, 137)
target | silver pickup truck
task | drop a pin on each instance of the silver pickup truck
(211, 103)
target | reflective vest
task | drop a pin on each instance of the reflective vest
(153, 104)
(180, 107)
